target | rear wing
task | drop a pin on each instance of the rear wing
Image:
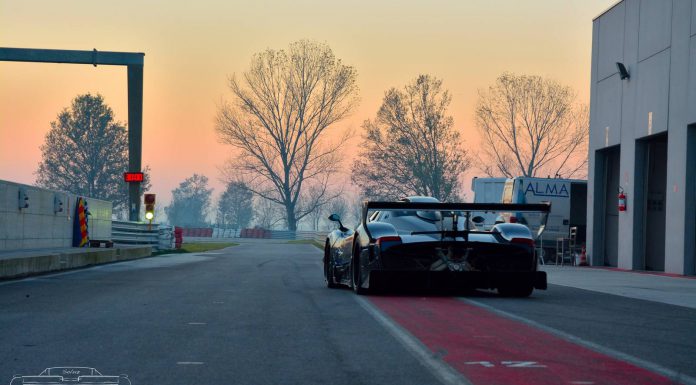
(464, 209)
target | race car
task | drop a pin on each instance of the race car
(421, 242)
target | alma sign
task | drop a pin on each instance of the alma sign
(548, 189)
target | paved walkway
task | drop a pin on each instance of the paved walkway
(680, 291)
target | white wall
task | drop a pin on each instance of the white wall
(656, 40)
(38, 226)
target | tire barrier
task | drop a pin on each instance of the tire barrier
(255, 233)
(178, 237)
(199, 232)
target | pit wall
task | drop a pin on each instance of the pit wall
(39, 226)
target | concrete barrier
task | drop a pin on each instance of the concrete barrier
(24, 263)
(42, 226)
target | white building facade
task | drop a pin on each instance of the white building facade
(643, 137)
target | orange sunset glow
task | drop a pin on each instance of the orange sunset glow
(192, 48)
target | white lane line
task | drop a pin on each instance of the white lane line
(197, 323)
(443, 372)
(189, 363)
(669, 373)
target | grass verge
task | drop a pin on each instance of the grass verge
(320, 246)
(197, 248)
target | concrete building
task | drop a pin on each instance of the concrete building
(643, 137)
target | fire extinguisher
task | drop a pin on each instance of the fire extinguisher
(622, 200)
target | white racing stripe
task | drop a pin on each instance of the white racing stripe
(443, 372)
(659, 369)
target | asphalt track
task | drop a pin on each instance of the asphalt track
(259, 313)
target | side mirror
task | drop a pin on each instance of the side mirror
(337, 218)
(478, 219)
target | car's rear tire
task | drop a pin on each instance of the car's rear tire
(356, 274)
(328, 268)
(517, 291)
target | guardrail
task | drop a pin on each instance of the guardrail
(138, 233)
(319, 237)
(161, 237)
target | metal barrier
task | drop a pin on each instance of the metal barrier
(161, 237)
(138, 233)
(166, 237)
(319, 237)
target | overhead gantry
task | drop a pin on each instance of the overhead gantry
(134, 63)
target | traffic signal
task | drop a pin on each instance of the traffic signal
(149, 206)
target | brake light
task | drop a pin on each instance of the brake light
(513, 219)
(523, 241)
(386, 242)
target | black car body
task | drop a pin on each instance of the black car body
(420, 242)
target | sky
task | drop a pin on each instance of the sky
(193, 47)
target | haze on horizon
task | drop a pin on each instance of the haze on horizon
(192, 49)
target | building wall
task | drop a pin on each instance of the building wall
(38, 226)
(656, 40)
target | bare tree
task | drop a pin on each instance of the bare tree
(355, 209)
(316, 215)
(86, 153)
(530, 126)
(283, 106)
(411, 147)
(339, 206)
(268, 213)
